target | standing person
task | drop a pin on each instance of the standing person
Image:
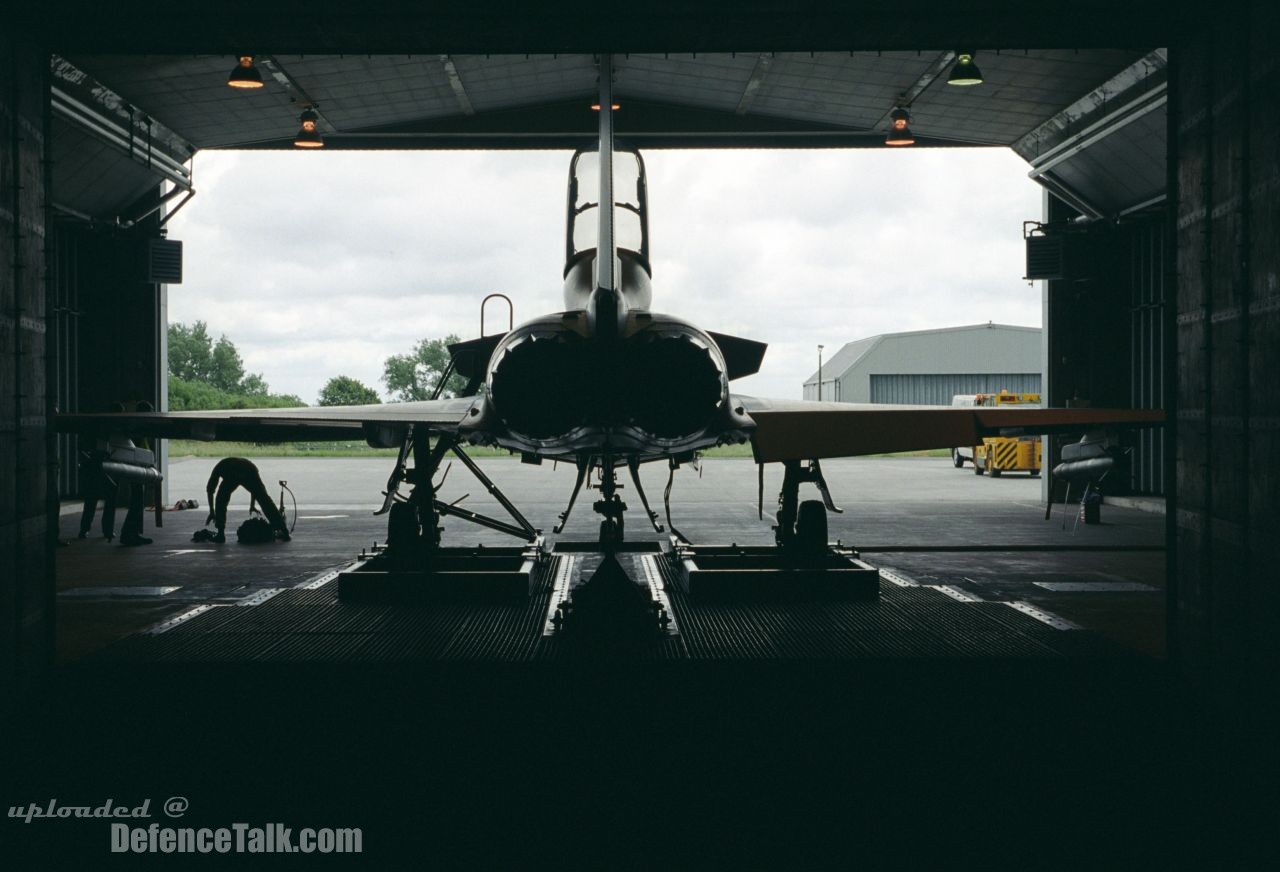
(96, 485)
(234, 472)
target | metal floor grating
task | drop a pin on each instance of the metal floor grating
(311, 625)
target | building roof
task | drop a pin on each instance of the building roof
(852, 352)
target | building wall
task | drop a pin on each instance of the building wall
(27, 514)
(963, 351)
(938, 389)
(1227, 326)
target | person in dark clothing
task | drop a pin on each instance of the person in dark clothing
(97, 486)
(235, 472)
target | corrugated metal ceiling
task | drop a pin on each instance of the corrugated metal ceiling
(755, 99)
(850, 91)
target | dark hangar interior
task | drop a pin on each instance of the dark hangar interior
(1152, 128)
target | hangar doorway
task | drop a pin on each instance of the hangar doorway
(1128, 87)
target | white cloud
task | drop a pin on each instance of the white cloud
(323, 264)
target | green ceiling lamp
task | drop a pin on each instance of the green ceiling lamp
(964, 71)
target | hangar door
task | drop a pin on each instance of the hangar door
(938, 389)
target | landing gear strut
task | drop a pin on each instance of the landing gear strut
(802, 526)
(413, 524)
(610, 506)
(610, 608)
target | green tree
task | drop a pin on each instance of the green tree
(414, 376)
(254, 383)
(228, 368)
(191, 352)
(343, 390)
(195, 357)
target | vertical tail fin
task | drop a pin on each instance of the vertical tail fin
(606, 301)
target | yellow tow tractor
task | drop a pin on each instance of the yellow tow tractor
(1000, 454)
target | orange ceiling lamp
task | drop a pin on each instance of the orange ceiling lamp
(244, 75)
(899, 128)
(308, 135)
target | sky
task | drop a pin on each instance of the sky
(325, 263)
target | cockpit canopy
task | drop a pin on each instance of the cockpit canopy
(631, 228)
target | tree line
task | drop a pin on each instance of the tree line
(205, 373)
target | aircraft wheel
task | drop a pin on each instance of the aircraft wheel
(811, 527)
(956, 460)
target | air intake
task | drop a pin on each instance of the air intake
(1046, 257)
(1057, 251)
(164, 261)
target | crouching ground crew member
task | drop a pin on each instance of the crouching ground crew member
(236, 472)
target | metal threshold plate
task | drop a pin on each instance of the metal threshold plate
(559, 590)
(653, 578)
(955, 593)
(1055, 621)
(1094, 586)
(105, 592)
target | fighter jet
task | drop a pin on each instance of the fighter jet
(609, 383)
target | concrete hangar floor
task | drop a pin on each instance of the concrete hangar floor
(818, 733)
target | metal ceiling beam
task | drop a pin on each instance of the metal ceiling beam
(1128, 87)
(127, 138)
(1070, 197)
(455, 82)
(295, 91)
(918, 87)
(570, 125)
(758, 74)
(1102, 128)
(82, 100)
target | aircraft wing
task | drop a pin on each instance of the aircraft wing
(803, 429)
(377, 422)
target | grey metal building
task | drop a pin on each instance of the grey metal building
(929, 367)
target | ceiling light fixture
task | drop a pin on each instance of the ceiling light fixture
(244, 74)
(899, 128)
(308, 135)
(964, 71)
(595, 107)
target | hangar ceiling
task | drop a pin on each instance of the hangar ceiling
(1091, 122)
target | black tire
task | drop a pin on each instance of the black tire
(996, 472)
(956, 460)
(811, 528)
(977, 467)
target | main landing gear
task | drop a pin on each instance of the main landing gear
(803, 564)
(801, 530)
(413, 564)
